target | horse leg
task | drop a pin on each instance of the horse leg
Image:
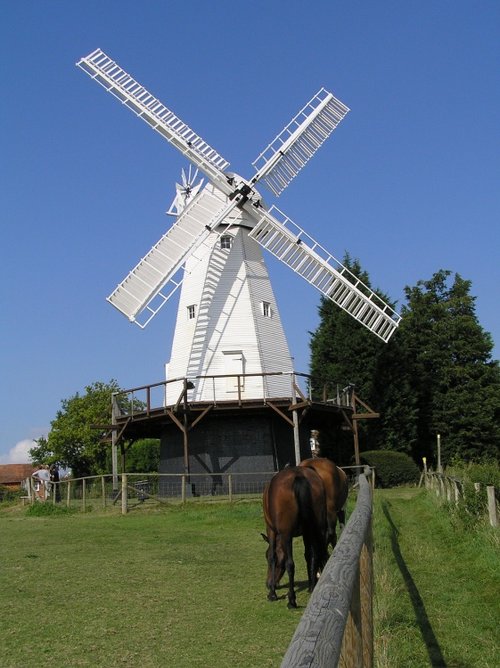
(309, 556)
(271, 569)
(290, 569)
(333, 533)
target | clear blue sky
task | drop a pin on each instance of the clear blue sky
(408, 183)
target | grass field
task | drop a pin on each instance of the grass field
(437, 597)
(184, 586)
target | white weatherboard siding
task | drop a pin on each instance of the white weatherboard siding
(230, 332)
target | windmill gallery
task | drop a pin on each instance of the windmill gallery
(231, 401)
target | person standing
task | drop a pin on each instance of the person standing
(54, 479)
(42, 479)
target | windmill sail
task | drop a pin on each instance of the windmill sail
(290, 244)
(143, 289)
(116, 81)
(151, 283)
(295, 145)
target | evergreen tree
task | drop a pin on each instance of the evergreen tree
(435, 376)
(456, 383)
(344, 352)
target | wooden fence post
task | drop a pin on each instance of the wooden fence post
(352, 651)
(68, 493)
(124, 493)
(103, 490)
(230, 487)
(492, 505)
(366, 589)
(183, 489)
(84, 494)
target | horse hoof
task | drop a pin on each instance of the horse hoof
(292, 605)
(272, 597)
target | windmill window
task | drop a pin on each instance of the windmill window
(266, 309)
(191, 311)
(226, 241)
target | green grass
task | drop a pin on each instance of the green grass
(437, 589)
(176, 587)
(184, 586)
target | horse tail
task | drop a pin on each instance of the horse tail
(303, 496)
(307, 513)
(342, 496)
(311, 528)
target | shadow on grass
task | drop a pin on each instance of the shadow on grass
(436, 657)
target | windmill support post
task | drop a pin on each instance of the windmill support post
(114, 433)
(239, 435)
(295, 418)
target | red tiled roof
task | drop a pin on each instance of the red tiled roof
(10, 473)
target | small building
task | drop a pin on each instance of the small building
(13, 476)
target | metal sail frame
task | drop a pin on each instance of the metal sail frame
(143, 290)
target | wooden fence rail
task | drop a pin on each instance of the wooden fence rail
(452, 490)
(336, 628)
(133, 489)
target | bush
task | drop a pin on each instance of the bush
(486, 473)
(8, 495)
(391, 468)
(48, 510)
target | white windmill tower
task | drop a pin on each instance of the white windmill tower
(228, 322)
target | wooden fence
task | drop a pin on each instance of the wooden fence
(451, 489)
(129, 490)
(336, 628)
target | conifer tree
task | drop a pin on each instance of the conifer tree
(456, 382)
(344, 352)
(435, 376)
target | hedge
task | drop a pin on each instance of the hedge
(391, 468)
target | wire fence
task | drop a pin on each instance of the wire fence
(130, 490)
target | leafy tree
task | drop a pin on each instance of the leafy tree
(143, 456)
(72, 442)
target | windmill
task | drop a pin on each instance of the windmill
(228, 323)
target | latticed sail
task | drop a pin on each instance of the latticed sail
(287, 154)
(290, 244)
(147, 107)
(153, 280)
(151, 283)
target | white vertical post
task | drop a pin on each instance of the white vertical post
(439, 467)
(114, 451)
(124, 493)
(492, 505)
(295, 418)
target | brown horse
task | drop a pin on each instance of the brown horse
(336, 488)
(294, 505)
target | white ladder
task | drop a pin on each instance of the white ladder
(290, 244)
